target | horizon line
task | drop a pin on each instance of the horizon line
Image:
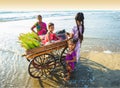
(62, 10)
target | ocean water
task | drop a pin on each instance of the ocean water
(102, 34)
(102, 29)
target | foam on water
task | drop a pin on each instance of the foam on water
(107, 51)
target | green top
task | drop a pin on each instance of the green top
(37, 26)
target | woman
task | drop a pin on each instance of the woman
(77, 32)
(40, 26)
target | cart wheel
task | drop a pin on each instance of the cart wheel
(63, 55)
(57, 53)
(41, 66)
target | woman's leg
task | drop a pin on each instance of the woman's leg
(77, 49)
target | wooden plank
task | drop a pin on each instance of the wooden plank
(44, 52)
(47, 47)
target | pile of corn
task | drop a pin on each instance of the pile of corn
(29, 40)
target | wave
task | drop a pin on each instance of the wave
(25, 15)
(7, 50)
(16, 18)
(107, 52)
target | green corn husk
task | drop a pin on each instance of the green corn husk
(29, 40)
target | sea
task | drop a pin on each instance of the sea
(102, 34)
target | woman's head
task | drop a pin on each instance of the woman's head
(51, 27)
(79, 18)
(39, 18)
(72, 43)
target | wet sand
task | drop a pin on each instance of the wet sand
(95, 69)
(106, 68)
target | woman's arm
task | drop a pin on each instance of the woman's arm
(56, 37)
(32, 29)
(69, 35)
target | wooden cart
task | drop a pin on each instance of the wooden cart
(43, 59)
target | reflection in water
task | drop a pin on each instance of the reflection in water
(14, 74)
(13, 70)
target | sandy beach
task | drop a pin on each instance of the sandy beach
(106, 68)
(99, 70)
(99, 65)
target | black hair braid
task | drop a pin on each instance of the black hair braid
(80, 36)
(80, 17)
(82, 26)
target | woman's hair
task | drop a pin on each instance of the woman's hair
(39, 16)
(50, 24)
(80, 17)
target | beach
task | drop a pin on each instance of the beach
(99, 64)
(106, 68)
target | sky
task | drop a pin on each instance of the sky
(59, 4)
